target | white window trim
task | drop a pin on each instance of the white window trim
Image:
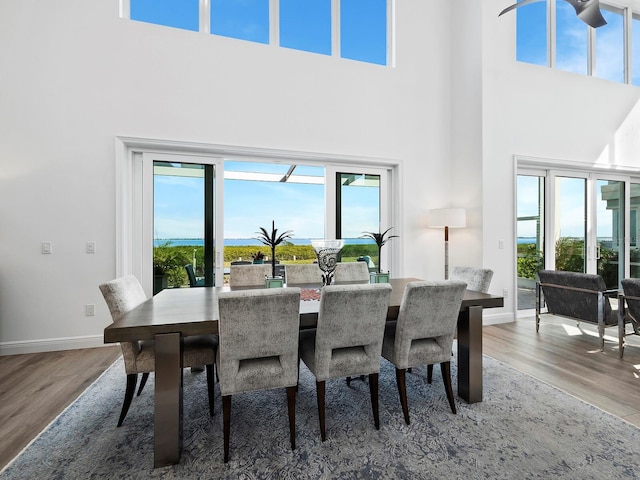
(128, 252)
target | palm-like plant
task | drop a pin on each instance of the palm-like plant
(380, 239)
(273, 240)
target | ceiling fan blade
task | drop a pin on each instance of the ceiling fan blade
(589, 12)
(519, 4)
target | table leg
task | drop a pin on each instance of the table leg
(168, 400)
(470, 354)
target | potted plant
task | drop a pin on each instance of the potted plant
(168, 266)
(380, 239)
(272, 240)
(258, 257)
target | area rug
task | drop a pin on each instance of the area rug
(523, 429)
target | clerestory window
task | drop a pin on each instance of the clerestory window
(350, 29)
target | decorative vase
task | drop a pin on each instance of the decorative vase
(273, 282)
(327, 252)
(378, 277)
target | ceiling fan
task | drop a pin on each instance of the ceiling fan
(587, 10)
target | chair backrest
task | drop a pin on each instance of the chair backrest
(191, 274)
(258, 329)
(352, 272)
(301, 273)
(248, 275)
(122, 295)
(477, 279)
(631, 289)
(577, 300)
(429, 310)
(350, 316)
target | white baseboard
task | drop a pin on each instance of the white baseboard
(494, 319)
(51, 345)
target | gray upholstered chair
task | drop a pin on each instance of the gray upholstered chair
(423, 333)
(303, 273)
(477, 279)
(126, 293)
(628, 310)
(348, 338)
(352, 272)
(258, 347)
(248, 275)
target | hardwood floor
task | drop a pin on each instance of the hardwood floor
(569, 358)
(35, 388)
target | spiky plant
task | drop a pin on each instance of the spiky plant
(380, 239)
(273, 240)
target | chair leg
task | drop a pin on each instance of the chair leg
(210, 384)
(402, 392)
(320, 387)
(132, 379)
(143, 382)
(226, 423)
(445, 367)
(291, 404)
(429, 373)
(373, 390)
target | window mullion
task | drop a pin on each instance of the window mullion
(591, 51)
(628, 47)
(205, 16)
(335, 28)
(551, 33)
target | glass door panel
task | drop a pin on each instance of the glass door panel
(179, 217)
(634, 251)
(570, 224)
(357, 212)
(530, 237)
(610, 231)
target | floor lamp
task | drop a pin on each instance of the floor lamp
(447, 217)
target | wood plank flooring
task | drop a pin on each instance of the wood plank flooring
(35, 388)
(569, 358)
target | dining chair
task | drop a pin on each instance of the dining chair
(347, 340)
(423, 333)
(352, 272)
(248, 275)
(303, 273)
(477, 279)
(258, 347)
(628, 310)
(193, 280)
(124, 294)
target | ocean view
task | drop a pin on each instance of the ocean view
(238, 242)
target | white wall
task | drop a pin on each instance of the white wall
(74, 76)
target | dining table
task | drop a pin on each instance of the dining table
(176, 313)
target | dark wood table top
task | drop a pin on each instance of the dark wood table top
(194, 311)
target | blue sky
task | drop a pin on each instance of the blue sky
(179, 210)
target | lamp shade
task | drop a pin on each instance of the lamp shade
(448, 217)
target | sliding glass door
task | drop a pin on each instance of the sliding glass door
(581, 218)
(183, 224)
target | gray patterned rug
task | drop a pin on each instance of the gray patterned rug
(523, 429)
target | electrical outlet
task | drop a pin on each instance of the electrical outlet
(505, 292)
(46, 248)
(91, 247)
(90, 310)
(500, 244)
